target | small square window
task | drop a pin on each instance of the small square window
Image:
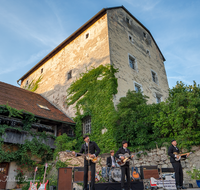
(148, 52)
(145, 34)
(87, 36)
(130, 37)
(69, 75)
(158, 98)
(42, 70)
(27, 82)
(137, 87)
(154, 77)
(128, 20)
(132, 63)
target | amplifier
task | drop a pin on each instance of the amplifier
(147, 172)
(65, 178)
(79, 173)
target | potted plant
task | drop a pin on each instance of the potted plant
(195, 174)
(20, 178)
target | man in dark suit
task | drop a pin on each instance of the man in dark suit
(176, 164)
(110, 163)
(94, 150)
(125, 168)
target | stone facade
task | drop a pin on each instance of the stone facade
(107, 39)
(156, 157)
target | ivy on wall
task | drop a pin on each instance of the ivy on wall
(22, 153)
(93, 94)
(33, 85)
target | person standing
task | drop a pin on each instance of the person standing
(125, 168)
(94, 151)
(176, 164)
(110, 164)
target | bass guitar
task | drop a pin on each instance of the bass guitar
(180, 155)
(127, 158)
(44, 185)
(87, 156)
(33, 186)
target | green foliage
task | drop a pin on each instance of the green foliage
(63, 143)
(60, 164)
(194, 173)
(93, 95)
(33, 86)
(179, 116)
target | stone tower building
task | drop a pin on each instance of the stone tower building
(113, 36)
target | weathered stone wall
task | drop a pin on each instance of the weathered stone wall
(156, 157)
(79, 55)
(120, 49)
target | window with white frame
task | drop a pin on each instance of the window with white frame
(132, 62)
(154, 76)
(87, 125)
(138, 87)
(158, 98)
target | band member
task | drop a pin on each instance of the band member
(125, 168)
(110, 163)
(94, 150)
(176, 164)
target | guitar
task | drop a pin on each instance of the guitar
(44, 185)
(33, 186)
(126, 158)
(177, 159)
(87, 156)
(134, 172)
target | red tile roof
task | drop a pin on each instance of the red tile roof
(23, 99)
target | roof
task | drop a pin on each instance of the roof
(20, 98)
(78, 32)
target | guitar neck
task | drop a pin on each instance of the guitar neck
(44, 174)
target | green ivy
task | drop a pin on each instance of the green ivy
(33, 86)
(93, 94)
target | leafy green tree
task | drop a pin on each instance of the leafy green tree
(179, 116)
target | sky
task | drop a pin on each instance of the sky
(30, 29)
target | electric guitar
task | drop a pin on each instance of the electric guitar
(33, 186)
(44, 185)
(87, 156)
(177, 159)
(127, 158)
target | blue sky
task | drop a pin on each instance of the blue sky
(30, 29)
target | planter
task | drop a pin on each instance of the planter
(198, 183)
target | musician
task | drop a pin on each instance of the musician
(110, 163)
(176, 164)
(94, 151)
(125, 168)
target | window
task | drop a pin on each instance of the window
(87, 125)
(87, 35)
(132, 62)
(158, 98)
(148, 52)
(137, 87)
(42, 70)
(69, 75)
(27, 82)
(154, 77)
(130, 37)
(145, 35)
(127, 20)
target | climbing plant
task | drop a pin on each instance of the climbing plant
(93, 94)
(33, 85)
(23, 153)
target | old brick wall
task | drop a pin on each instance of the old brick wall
(120, 49)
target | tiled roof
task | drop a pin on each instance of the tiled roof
(23, 99)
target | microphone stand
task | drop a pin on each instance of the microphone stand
(89, 163)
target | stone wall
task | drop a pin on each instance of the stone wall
(156, 157)
(121, 47)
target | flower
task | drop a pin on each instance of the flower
(20, 178)
(195, 173)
